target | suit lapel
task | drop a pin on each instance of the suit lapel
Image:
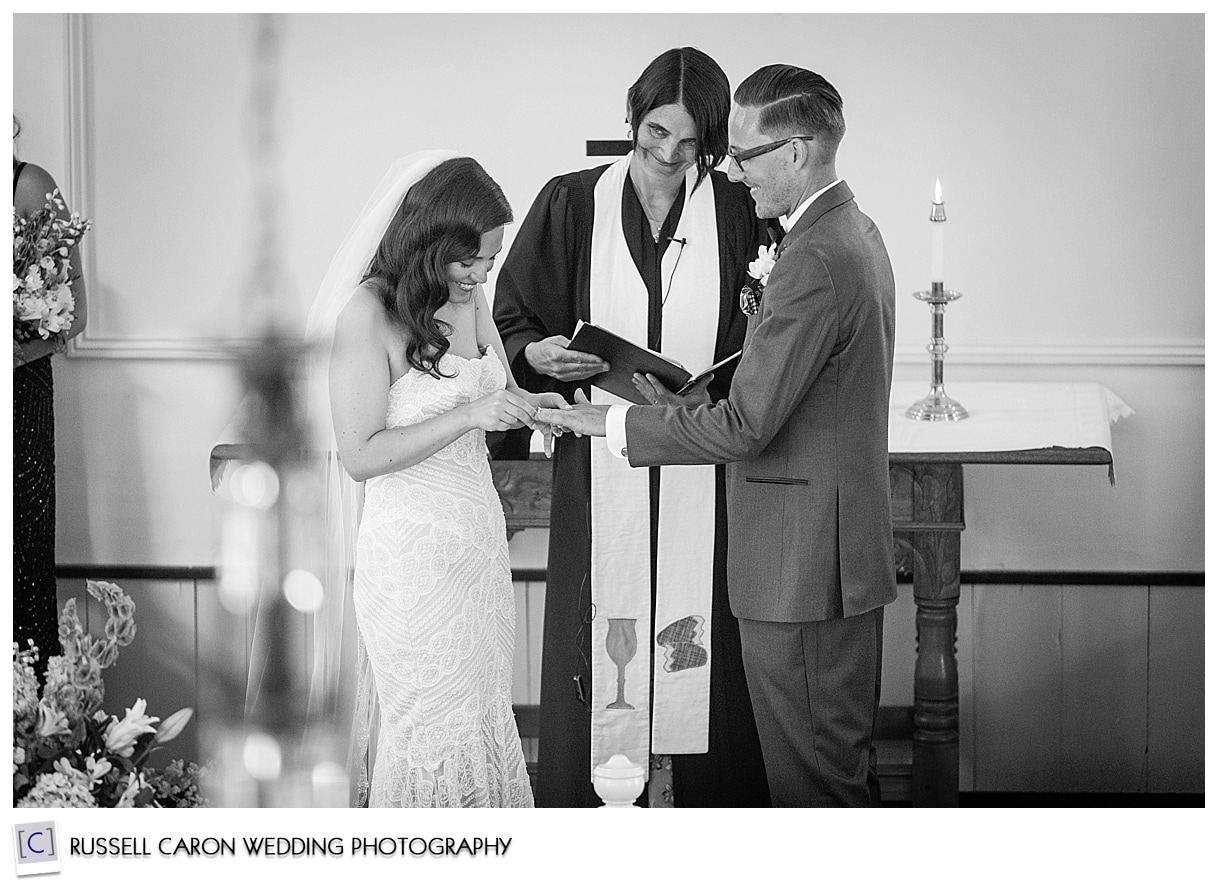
(835, 197)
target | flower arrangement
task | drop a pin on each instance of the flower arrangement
(42, 270)
(67, 751)
(759, 270)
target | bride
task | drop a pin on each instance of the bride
(417, 376)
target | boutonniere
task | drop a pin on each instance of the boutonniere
(759, 271)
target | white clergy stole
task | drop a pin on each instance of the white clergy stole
(623, 703)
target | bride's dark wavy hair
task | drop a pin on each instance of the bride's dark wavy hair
(441, 220)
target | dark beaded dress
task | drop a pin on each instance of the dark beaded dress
(35, 611)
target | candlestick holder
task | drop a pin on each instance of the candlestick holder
(936, 406)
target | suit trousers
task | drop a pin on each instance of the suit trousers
(815, 688)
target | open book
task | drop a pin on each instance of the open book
(626, 358)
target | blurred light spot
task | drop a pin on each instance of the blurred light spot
(262, 756)
(239, 535)
(303, 590)
(330, 784)
(254, 484)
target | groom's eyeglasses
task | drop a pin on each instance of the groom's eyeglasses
(739, 157)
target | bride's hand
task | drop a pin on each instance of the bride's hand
(548, 432)
(537, 400)
(500, 411)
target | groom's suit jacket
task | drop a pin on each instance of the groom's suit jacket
(805, 428)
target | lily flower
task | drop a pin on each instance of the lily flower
(51, 721)
(121, 734)
(173, 726)
(97, 768)
(135, 783)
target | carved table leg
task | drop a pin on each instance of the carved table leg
(936, 737)
(929, 543)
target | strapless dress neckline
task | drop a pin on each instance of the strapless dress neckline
(486, 352)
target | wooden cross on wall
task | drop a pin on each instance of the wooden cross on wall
(609, 148)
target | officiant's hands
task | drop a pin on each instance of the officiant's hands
(655, 392)
(552, 358)
(584, 418)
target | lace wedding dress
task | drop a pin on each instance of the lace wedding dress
(435, 607)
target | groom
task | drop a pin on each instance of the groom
(805, 433)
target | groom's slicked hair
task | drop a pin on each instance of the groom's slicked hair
(794, 101)
(691, 78)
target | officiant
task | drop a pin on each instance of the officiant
(653, 247)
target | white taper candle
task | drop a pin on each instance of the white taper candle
(936, 235)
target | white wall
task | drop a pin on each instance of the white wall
(1070, 149)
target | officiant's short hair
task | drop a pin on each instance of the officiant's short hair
(793, 101)
(691, 78)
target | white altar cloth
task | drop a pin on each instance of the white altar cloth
(1002, 417)
(1007, 416)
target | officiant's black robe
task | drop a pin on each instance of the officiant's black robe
(542, 289)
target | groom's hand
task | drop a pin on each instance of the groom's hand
(582, 419)
(655, 392)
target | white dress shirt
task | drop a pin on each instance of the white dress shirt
(615, 418)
